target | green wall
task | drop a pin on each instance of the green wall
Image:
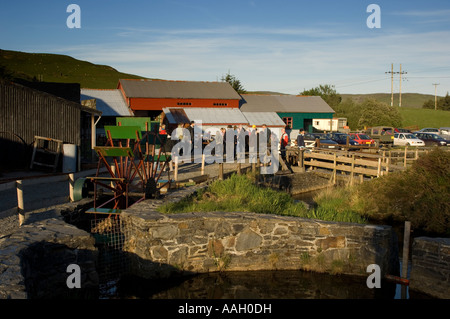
(298, 119)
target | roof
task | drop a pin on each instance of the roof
(208, 116)
(284, 104)
(271, 119)
(178, 89)
(109, 102)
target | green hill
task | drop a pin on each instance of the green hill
(409, 100)
(60, 68)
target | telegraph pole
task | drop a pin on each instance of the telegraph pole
(392, 83)
(435, 95)
(400, 96)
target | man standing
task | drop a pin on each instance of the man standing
(301, 139)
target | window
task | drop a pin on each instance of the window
(287, 121)
(184, 103)
(220, 104)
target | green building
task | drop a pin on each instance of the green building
(295, 110)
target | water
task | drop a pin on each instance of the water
(284, 284)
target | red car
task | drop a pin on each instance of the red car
(362, 138)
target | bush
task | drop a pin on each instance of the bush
(420, 194)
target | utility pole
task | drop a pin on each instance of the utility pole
(435, 95)
(392, 83)
(400, 95)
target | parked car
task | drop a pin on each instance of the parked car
(428, 130)
(444, 132)
(432, 139)
(402, 130)
(407, 139)
(310, 140)
(362, 139)
(383, 135)
(341, 139)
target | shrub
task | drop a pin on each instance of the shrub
(420, 194)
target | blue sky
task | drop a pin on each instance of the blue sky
(284, 46)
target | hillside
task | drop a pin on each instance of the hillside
(409, 100)
(60, 68)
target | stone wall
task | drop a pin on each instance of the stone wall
(430, 271)
(164, 245)
(34, 258)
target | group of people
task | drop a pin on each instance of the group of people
(237, 132)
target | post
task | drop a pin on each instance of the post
(20, 205)
(334, 168)
(221, 171)
(406, 236)
(406, 152)
(71, 185)
(239, 172)
(176, 169)
(379, 167)
(353, 168)
(405, 257)
(203, 164)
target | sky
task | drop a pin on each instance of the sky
(283, 46)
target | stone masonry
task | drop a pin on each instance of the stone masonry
(430, 271)
(165, 245)
(34, 259)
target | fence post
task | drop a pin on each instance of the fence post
(203, 164)
(353, 168)
(20, 205)
(220, 171)
(175, 177)
(334, 168)
(71, 185)
(406, 152)
(406, 235)
(379, 167)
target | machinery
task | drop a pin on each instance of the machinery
(135, 157)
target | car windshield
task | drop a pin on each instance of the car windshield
(410, 136)
(437, 137)
(364, 137)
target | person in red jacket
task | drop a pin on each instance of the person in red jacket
(284, 141)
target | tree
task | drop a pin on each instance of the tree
(327, 93)
(375, 113)
(234, 82)
(443, 103)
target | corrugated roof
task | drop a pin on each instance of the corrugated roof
(208, 116)
(260, 118)
(284, 103)
(110, 102)
(178, 89)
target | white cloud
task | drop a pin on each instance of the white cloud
(285, 60)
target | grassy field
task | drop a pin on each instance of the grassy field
(409, 100)
(61, 68)
(424, 117)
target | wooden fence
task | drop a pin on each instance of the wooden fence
(360, 164)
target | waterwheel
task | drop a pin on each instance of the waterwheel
(135, 159)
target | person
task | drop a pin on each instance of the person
(266, 130)
(162, 129)
(192, 135)
(301, 139)
(284, 141)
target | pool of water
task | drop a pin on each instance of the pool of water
(260, 285)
